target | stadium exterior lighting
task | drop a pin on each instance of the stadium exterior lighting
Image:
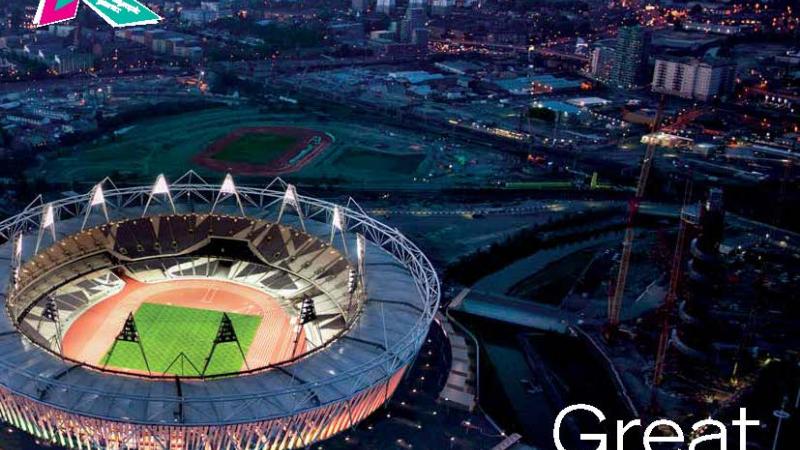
(226, 190)
(159, 188)
(290, 198)
(98, 199)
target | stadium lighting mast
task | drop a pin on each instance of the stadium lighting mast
(51, 314)
(307, 315)
(161, 187)
(97, 199)
(16, 260)
(129, 333)
(225, 334)
(337, 224)
(228, 189)
(361, 250)
(290, 198)
(48, 222)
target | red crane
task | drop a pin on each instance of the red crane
(684, 119)
(671, 298)
(615, 299)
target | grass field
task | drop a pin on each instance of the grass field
(363, 160)
(257, 148)
(363, 154)
(166, 331)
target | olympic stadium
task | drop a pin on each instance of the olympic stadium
(190, 315)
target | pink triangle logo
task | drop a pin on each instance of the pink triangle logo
(55, 11)
(117, 13)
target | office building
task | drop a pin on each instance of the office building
(692, 78)
(359, 6)
(413, 20)
(630, 57)
(442, 7)
(385, 6)
(602, 63)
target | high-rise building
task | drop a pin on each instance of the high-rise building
(420, 38)
(413, 20)
(385, 6)
(417, 3)
(693, 78)
(630, 57)
(442, 7)
(602, 62)
(359, 6)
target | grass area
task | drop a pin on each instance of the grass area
(366, 160)
(166, 331)
(168, 145)
(257, 148)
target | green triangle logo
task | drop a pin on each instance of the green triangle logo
(62, 3)
(123, 13)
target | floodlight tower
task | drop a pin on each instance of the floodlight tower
(290, 198)
(97, 199)
(308, 314)
(338, 225)
(16, 261)
(228, 190)
(160, 187)
(48, 223)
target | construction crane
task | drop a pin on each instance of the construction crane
(684, 119)
(615, 298)
(672, 292)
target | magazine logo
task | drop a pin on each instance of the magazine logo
(708, 431)
(117, 13)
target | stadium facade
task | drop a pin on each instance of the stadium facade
(362, 296)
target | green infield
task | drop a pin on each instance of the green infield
(257, 148)
(169, 331)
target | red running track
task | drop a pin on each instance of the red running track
(279, 166)
(91, 335)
